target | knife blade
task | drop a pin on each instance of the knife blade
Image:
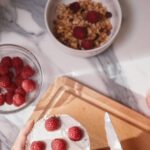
(111, 135)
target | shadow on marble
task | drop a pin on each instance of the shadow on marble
(129, 31)
(127, 22)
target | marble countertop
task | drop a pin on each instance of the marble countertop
(122, 72)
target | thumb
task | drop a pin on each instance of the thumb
(22, 137)
(27, 129)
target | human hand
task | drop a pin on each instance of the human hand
(22, 137)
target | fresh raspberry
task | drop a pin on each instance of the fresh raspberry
(75, 133)
(28, 85)
(74, 7)
(108, 14)
(87, 44)
(38, 145)
(19, 80)
(27, 72)
(12, 87)
(93, 16)
(4, 81)
(80, 32)
(10, 74)
(59, 144)
(17, 62)
(52, 123)
(9, 97)
(20, 90)
(2, 99)
(6, 61)
(18, 99)
(3, 69)
(18, 70)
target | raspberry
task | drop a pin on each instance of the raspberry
(6, 61)
(3, 69)
(10, 75)
(80, 32)
(53, 123)
(12, 87)
(93, 16)
(17, 62)
(28, 85)
(4, 81)
(75, 133)
(87, 44)
(19, 80)
(18, 70)
(59, 144)
(9, 97)
(18, 99)
(2, 99)
(74, 7)
(27, 72)
(108, 14)
(21, 91)
(38, 145)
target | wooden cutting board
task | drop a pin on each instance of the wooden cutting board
(67, 96)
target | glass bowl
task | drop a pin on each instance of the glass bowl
(29, 58)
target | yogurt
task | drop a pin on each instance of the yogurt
(39, 133)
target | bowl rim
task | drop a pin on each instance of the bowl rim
(41, 74)
(101, 48)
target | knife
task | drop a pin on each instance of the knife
(112, 137)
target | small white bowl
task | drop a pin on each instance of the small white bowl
(112, 5)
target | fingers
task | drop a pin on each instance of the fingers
(28, 127)
(21, 140)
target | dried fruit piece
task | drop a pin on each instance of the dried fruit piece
(38, 145)
(18, 99)
(87, 44)
(9, 97)
(52, 123)
(27, 72)
(6, 61)
(74, 7)
(80, 32)
(17, 62)
(93, 16)
(108, 14)
(28, 85)
(4, 81)
(59, 144)
(75, 133)
(2, 99)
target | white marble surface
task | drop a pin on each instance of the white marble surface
(122, 72)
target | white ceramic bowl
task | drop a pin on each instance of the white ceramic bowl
(50, 15)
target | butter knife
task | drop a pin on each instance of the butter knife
(112, 137)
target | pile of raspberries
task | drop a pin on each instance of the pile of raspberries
(15, 81)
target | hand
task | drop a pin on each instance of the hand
(22, 137)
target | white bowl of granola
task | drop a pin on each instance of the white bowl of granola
(83, 27)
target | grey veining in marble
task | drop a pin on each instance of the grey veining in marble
(8, 133)
(113, 78)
